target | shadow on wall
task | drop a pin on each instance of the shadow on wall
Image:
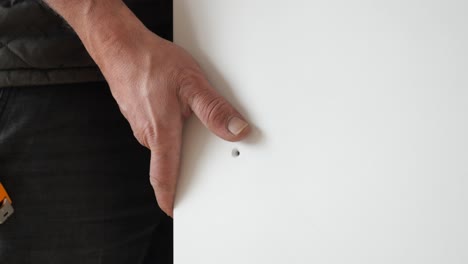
(196, 137)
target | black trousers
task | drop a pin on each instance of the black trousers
(78, 180)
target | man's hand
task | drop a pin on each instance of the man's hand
(156, 84)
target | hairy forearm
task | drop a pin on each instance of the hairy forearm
(102, 25)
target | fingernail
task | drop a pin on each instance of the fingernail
(236, 125)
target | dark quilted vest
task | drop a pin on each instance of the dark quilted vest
(37, 47)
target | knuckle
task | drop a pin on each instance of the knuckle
(146, 135)
(188, 80)
(215, 109)
(188, 76)
(160, 134)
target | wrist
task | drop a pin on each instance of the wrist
(105, 27)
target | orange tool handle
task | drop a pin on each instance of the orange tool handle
(4, 194)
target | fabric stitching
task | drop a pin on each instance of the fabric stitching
(3, 103)
(5, 46)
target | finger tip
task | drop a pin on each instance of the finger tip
(236, 128)
(168, 211)
(165, 204)
(170, 214)
(236, 125)
(244, 133)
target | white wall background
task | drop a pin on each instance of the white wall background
(360, 149)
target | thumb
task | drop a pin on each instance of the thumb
(214, 111)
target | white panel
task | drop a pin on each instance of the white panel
(360, 148)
